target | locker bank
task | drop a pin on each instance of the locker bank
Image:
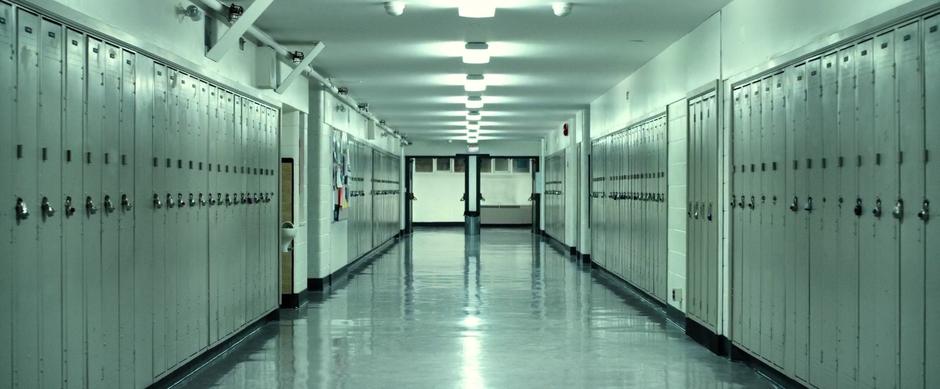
(472, 194)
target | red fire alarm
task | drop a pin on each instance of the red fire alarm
(565, 128)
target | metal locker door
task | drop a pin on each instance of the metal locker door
(762, 213)
(735, 213)
(171, 236)
(847, 252)
(123, 201)
(159, 205)
(710, 207)
(879, 271)
(201, 233)
(145, 214)
(8, 43)
(25, 269)
(752, 239)
(932, 193)
(90, 204)
(213, 132)
(797, 230)
(910, 89)
(776, 208)
(693, 166)
(73, 284)
(49, 148)
(228, 269)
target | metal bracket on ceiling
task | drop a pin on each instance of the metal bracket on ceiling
(239, 26)
(300, 67)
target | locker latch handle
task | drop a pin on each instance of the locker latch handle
(898, 210)
(741, 202)
(211, 200)
(809, 204)
(751, 204)
(695, 213)
(169, 201)
(156, 201)
(46, 208)
(228, 200)
(734, 201)
(795, 205)
(192, 200)
(108, 206)
(710, 217)
(90, 206)
(69, 209)
(22, 211)
(179, 200)
(924, 213)
(244, 199)
(858, 207)
(126, 203)
(202, 200)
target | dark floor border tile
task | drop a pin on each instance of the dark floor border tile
(771, 373)
(339, 277)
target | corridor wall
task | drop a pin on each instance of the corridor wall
(554, 194)
(141, 227)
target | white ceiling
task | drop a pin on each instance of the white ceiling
(544, 68)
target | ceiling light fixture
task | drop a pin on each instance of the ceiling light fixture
(473, 126)
(476, 53)
(475, 83)
(474, 116)
(473, 148)
(474, 102)
(561, 8)
(476, 9)
(395, 8)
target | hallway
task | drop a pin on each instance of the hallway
(507, 311)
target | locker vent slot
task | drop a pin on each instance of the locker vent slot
(809, 163)
(907, 37)
(124, 159)
(796, 165)
(88, 158)
(107, 158)
(74, 42)
(169, 164)
(190, 165)
(884, 45)
(179, 163)
(29, 30)
(878, 159)
(774, 166)
(933, 29)
(19, 151)
(3, 21)
(864, 52)
(841, 162)
(823, 163)
(155, 163)
(68, 155)
(45, 153)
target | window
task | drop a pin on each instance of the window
(460, 165)
(424, 165)
(443, 164)
(520, 165)
(501, 165)
(486, 165)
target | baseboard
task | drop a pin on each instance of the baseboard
(717, 344)
(586, 258)
(438, 224)
(782, 380)
(558, 245)
(208, 355)
(505, 225)
(657, 308)
(337, 278)
(573, 251)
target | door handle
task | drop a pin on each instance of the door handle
(741, 202)
(228, 200)
(877, 210)
(795, 205)
(169, 201)
(924, 213)
(46, 208)
(734, 201)
(126, 203)
(202, 200)
(22, 211)
(179, 200)
(90, 206)
(156, 201)
(69, 209)
(108, 205)
(751, 204)
(710, 215)
(858, 207)
(898, 211)
(192, 200)
(211, 200)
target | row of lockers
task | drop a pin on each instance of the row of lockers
(703, 211)
(386, 196)
(554, 199)
(141, 225)
(359, 237)
(628, 204)
(835, 273)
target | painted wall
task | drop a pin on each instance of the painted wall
(502, 148)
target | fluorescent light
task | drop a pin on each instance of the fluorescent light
(474, 116)
(475, 83)
(473, 148)
(476, 9)
(476, 53)
(473, 126)
(395, 8)
(561, 8)
(474, 102)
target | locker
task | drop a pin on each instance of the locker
(73, 282)
(751, 233)
(763, 215)
(50, 191)
(797, 227)
(774, 210)
(171, 135)
(932, 193)
(125, 216)
(847, 260)
(92, 223)
(24, 187)
(8, 43)
(144, 219)
(737, 306)
(910, 98)
(878, 317)
(161, 207)
(694, 234)
(198, 203)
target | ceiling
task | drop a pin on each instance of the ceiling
(544, 68)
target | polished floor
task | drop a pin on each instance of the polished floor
(504, 310)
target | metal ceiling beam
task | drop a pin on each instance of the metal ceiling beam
(230, 38)
(299, 69)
